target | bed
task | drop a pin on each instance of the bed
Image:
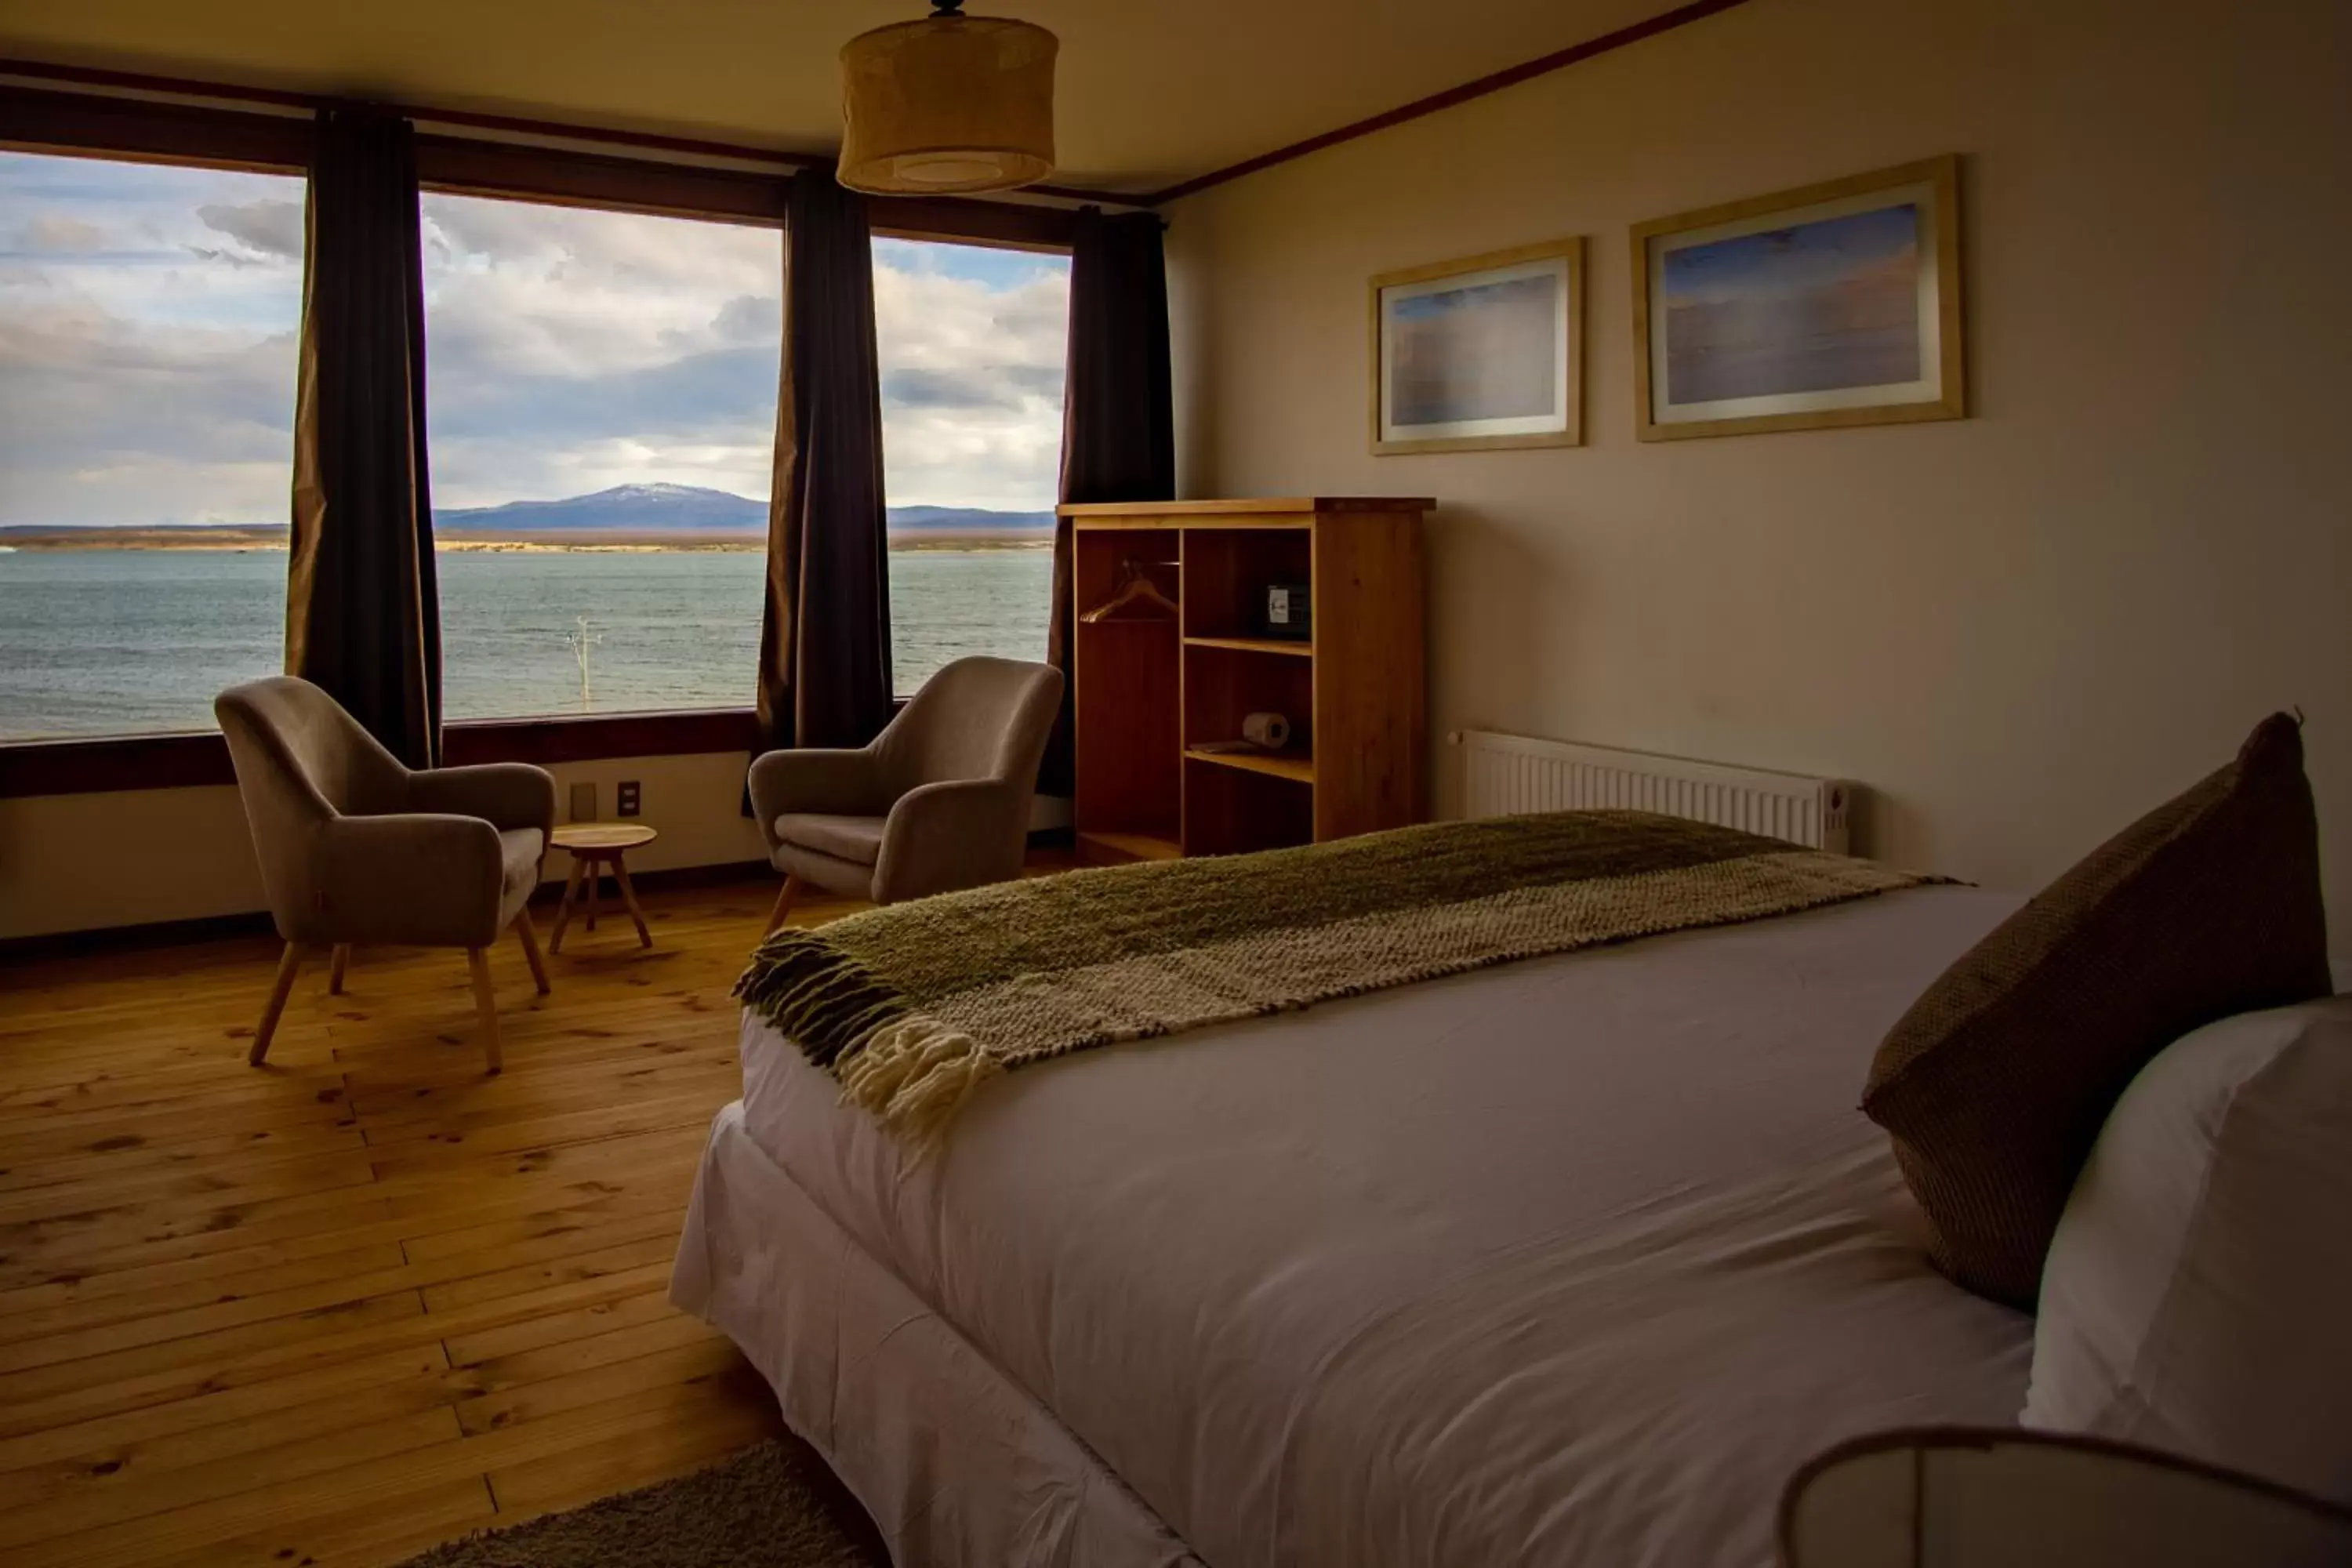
(1567, 1261)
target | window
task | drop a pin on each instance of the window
(601, 413)
(601, 406)
(148, 323)
(601, 401)
(971, 343)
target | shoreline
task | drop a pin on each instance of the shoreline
(247, 542)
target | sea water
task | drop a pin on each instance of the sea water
(97, 642)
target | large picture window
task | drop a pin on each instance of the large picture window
(148, 325)
(601, 411)
(972, 342)
(601, 399)
(602, 406)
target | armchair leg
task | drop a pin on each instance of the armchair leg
(486, 1003)
(289, 963)
(529, 937)
(791, 889)
(335, 967)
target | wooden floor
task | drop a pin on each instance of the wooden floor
(366, 1298)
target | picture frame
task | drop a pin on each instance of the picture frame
(1827, 306)
(1480, 353)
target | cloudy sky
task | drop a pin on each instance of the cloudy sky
(147, 319)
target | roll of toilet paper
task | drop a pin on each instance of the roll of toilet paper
(1271, 730)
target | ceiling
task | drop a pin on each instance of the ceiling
(1148, 95)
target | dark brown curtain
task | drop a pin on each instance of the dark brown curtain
(363, 606)
(824, 633)
(1119, 420)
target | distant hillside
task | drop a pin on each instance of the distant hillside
(164, 536)
(694, 509)
(627, 513)
(966, 519)
(623, 509)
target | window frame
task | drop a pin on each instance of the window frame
(91, 125)
(147, 131)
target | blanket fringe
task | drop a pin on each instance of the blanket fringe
(914, 1074)
(826, 1003)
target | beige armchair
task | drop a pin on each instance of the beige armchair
(355, 847)
(940, 801)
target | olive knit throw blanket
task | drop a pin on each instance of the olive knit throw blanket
(915, 1005)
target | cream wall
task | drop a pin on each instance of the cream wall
(81, 862)
(2021, 629)
(75, 862)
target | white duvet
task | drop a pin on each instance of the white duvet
(1567, 1262)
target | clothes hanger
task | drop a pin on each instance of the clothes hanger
(1139, 590)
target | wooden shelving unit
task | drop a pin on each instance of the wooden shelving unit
(1152, 688)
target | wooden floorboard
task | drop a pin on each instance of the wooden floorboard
(366, 1298)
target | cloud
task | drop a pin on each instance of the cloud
(147, 343)
(56, 231)
(110, 421)
(140, 381)
(972, 379)
(980, 387)
(266, 228)
(750, 319)
(573, 350)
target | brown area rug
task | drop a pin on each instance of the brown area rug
(771, 1506)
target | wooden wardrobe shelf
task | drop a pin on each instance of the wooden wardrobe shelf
(1280, 764)
(1113, 848)
(1354, 694)
(1300, 649)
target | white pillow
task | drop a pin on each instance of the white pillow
(2198, 1295)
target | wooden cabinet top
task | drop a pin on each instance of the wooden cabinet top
(1281, 505)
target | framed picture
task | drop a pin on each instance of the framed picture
(1482, 352)
(1838, 304)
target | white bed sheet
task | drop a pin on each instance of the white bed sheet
(959, 1468)
(1570, 1261)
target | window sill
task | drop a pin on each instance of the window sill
(192, 759)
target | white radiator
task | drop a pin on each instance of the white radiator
(1507, 773)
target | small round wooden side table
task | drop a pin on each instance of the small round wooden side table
(595, 845)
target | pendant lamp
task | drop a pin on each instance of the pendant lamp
(951, 103)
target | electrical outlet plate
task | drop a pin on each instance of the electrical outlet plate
(625, 797)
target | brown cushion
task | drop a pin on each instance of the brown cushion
(1996, 1082)
(858, 839)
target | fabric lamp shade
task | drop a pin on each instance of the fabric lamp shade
(951, 103)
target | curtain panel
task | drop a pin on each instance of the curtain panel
(363, 604)
(1118, 421)
(824, 626)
